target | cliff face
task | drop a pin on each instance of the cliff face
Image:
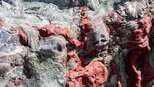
(76, 43)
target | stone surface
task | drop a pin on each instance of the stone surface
(76, 43)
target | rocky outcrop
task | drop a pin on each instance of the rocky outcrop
(76, 43)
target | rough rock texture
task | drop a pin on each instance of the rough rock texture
(76, 43)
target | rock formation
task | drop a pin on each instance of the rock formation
(76, 43)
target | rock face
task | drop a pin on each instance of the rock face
(76, 43)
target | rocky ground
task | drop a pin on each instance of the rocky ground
(76, 43)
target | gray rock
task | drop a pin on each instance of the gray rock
(100, 39)
(53, 46)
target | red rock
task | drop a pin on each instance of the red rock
(12, 83)
(66, 32)
(20, 82)
(118, 84)
(93, 75)
(83, 9)
(1, 24)
(131, 68)
(57, 30)
(23, 35)
(114, 69)
(140, 52)
(85, 26)
(139, 41)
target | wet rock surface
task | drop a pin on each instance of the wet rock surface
(76, 43)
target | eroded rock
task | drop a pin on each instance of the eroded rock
(93, 75)
(76, 43)
(55, 46)
(100, 39)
